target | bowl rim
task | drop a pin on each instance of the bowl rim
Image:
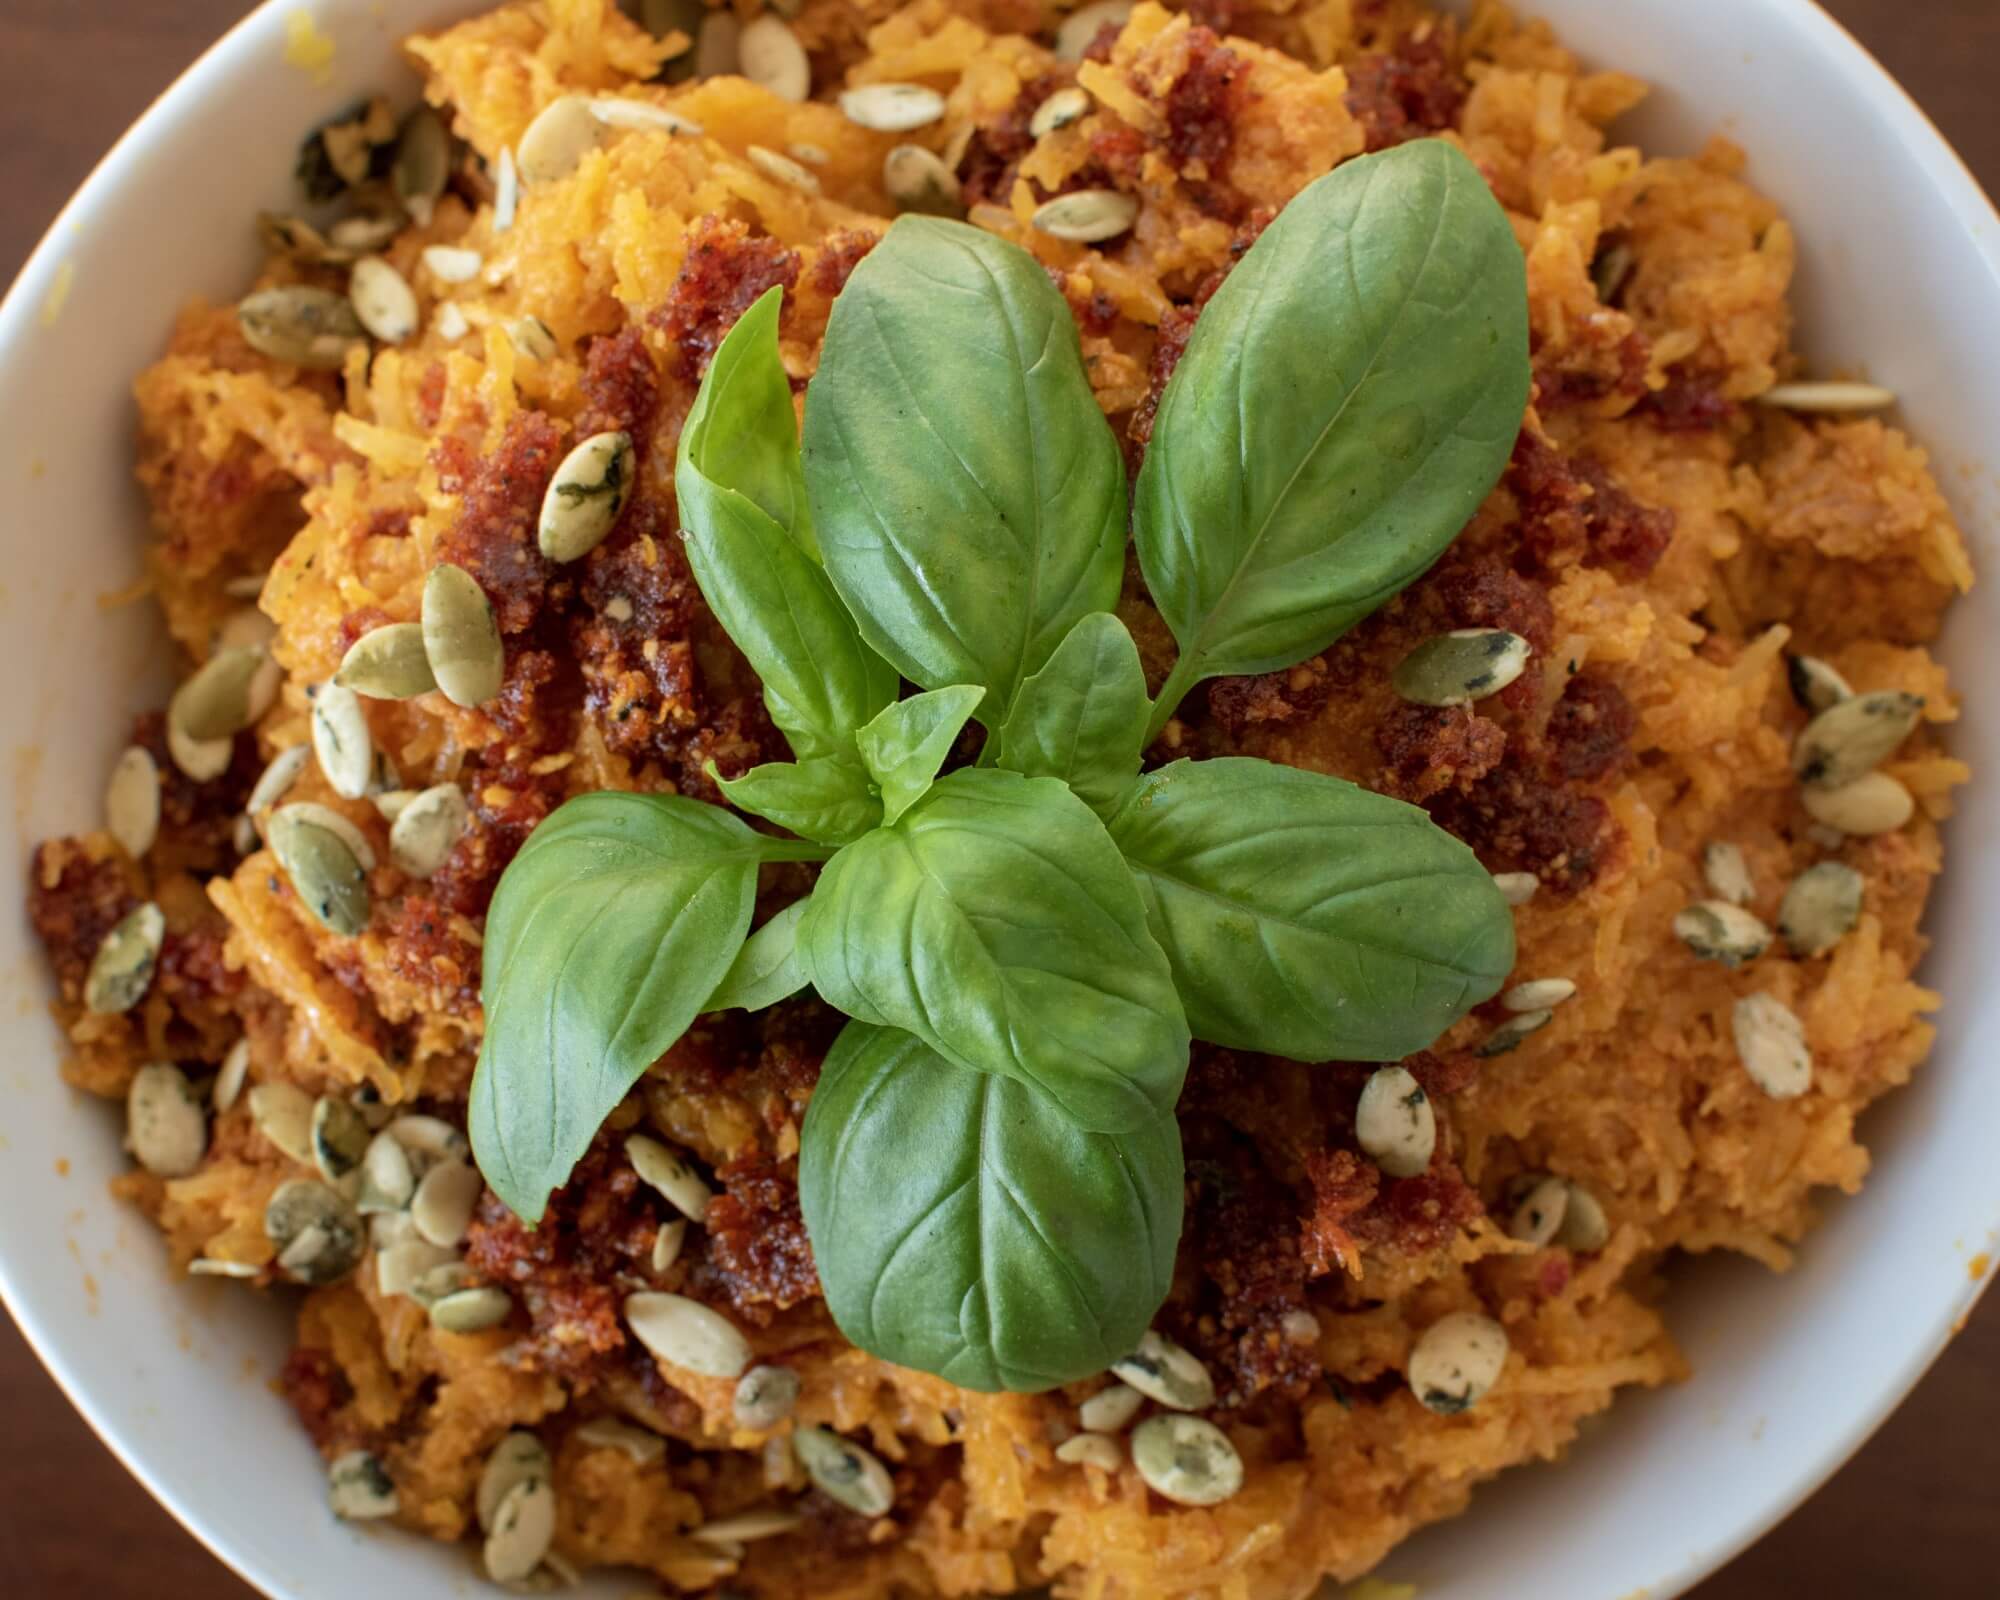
(1836, 51)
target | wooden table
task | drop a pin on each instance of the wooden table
(1914, 1514)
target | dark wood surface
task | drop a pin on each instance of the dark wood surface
(1914, 1514)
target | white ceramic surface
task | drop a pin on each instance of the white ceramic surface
(1900, 276)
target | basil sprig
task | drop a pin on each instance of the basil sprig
(990, 1167)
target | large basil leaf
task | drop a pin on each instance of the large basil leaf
(608, 933)
(821, 682)
(1307, 918)
(964, 1225)
(1082, 716)
(969, 495)
(997, 922)
(1348, 398)
(907, 743)
(768, 967)
(828, 798)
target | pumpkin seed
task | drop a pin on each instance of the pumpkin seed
(764, 1397)
(383, 300)
(1457, 668)
(371, 1107)
(1609, 271)
(1509, 1034)
(524, 1525)
(506, 191)
(298, 240)
(201, 759)
(667, 1244)
(1164, 1371)
(387, 663)
(645, 117)
(444, 1202)
(1771, 1043)
(782, 169)
(1110, 1410)
(563, 133)
(279, 776)
(748, 1527)
(1097, 1450)
(329, 880)
(216, 701)
(1872, 804)
(1086, 216)
(1715, 930)
(641, 1445)
(1059, 111)
(1456, 1362)
(121, 971)
(1539, 1215)
(715, 52)
(283, 1113)
(132, 801)
(164, 1126)
(843, 1471)
(243, 836)
(769, 54)
(341, 740)
(300, 325)
(334, 823)
(472, 1310)
(1187, 1460)
(1516, 888)
(687, 1334)
(1538, 994)
(359, 1488)
(214, 1267)
(317, 1234)
(1395, 1123)
(339, 1138)
(1727, 873)
(436, 1283)
(449, 264)
(1081, 27)
(1828, 397)
(427, 828)
(1821, 906)
(400, 1267)
(1300, 1326)
(518, 1458)
(392, 803)
(461, 637)
(812, 155)
(229, 1081)
(362, 235)
(423, 164)
(1851, 738)
(1584, 1225)
(429, 1139)
(892, 107)
(1815, 684)
(586, 495)
(388, 1181)
(667, 1172)
(915, 179)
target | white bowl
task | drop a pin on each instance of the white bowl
(1900, 276)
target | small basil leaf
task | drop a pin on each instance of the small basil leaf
(1082, 716)
(742, 431)
(828, 798)
(1307, 918)
(767, 969)
(965, 1226)
(907, 743)
(1348, 398)
(969, 495)
(820, 681)
(605, 939)
(997, 922)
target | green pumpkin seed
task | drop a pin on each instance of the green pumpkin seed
(668, 1244)
(1771, 1044)
(642, 116)
(1538, 994)
(1456, 1362)
(121, 970)
(517, 1459)
(1509, 1034)
(1727, 873)
(1828, 397)
(449, 264)
(423, 164)
(430, 1140)
(1815, 684)
(471, 1310)
(276, 778)
(359, 1488)
(383, 300)
(1165, 1371)
(562, 134)
(1059, 111)
(401, 1266)
(1086, 216)
(1585, 1227)
(1516, 888)
(282, 1113)
(1850, 739)
(390, 804)
(687, 1334)
(1715, 930)
(769, 54)
(427, 829)
(1083, 25)
(216, 701)
(1093, 1450)
(363, 235)
(329, 881)
(339, 1139)
(1609, 271)
(764, 1397)
(229, 1081)
(331, 820)
(844, 1472)
(667, 1172)
(1111, 1409)
(201, 759)
(782, 169)
(388, 1181)
(301, 326)
(132, 801)
(1539, 1215)
(748, 1527)
(444, 1202)
(317, 1234)
(1395, 1123)
(715, 53)
(916, 180)
(298, 240)
(164, 1126)
(1455, 669)
(387, 663)
(341, 740)
(524, 1525)
(586, 496)
(1187, 1460)
(641, 1446)
(892, 107)
(436, 1283)
(1819, 909)
(461, 637)
(1872, 804)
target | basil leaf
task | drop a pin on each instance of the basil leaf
(820, 681)
(1082, 716)
(907, 743)
(964, 1225)
(969, 495)
(1307, 918)
(606, 937)
(828, 798)
(742, 429)
(1348, 398)
(767, 969)
(997, 922)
